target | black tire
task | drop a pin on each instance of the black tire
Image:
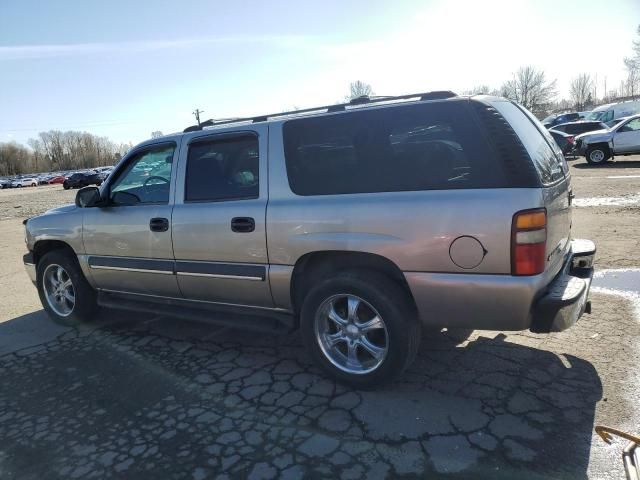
(86, 305)
(65, 185)
(598, 154)
(392, 303)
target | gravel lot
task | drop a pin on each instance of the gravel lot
(154, 397)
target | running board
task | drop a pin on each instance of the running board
(246, 318)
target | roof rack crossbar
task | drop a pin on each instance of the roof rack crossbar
(339, 107)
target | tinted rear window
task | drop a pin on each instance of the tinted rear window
(544, 151)
(401, 148)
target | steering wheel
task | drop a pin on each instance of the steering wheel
(155, 177)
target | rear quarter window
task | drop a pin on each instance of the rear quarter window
(545, 153)
(430, 146)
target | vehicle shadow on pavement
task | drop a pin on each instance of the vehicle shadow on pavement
(150, 397)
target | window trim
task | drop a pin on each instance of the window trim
(217, 137)
(124, 163)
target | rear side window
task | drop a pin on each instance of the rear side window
(222, 169)
(401, 148)
(544, 151)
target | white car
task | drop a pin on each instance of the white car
(601, 145)
(25, 182)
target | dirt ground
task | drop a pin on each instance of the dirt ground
(152, 397)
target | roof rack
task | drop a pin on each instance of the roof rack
(340, 107)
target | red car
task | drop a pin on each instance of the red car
(58, 179)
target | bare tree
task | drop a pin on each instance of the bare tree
(632, 87)
(482, 90)
(530, 89)
(580, 91)
(156, 134)
(358, 89)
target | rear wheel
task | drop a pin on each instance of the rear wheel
(64, 292)
(598, 154)
(360, 328)
(65, 185)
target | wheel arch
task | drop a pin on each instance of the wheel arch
(315, 266)
(42, 247)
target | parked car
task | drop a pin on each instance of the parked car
(558, 118)
(82, 179)
(25, 182)
(611, 111)
(5, 183)
(57, 179)
(600, 146)
(581, 126)
(380, 220)
(565, 141)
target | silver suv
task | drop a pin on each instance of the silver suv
(361, 224)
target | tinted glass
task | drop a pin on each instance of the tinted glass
(224, 169)
(145, 179)
(400, 148)
(544, 151)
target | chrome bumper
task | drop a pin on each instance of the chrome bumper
(30, 266)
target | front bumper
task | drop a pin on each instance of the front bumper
(30, 266)
(567, 297)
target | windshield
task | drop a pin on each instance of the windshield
(596, 116)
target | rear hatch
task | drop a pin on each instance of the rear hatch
(554, 176)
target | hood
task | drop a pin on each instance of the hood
(63, 209)
(600, 135)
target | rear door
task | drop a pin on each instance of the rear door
(627, 137)
(554, 177)
(219, 235)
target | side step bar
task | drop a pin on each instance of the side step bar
(246, 318)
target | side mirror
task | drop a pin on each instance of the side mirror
(87, 197)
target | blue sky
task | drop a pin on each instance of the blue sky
(126, 68)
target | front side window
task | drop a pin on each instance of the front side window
(222, 169)
(145, 179)
(631, 126)
(400, 148)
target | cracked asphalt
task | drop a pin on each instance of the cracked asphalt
(133, 396)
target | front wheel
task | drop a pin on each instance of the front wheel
(360, 328)
(597, 155)
(64, 291)
(65, 185)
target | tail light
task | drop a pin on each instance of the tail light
(529, 242)
(571, 140)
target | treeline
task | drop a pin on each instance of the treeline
(55, 150)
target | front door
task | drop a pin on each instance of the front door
(128, 242)
(218, 222)
(627, 137)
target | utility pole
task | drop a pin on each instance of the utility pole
(197, 113)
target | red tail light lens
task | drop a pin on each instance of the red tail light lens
(529, 242)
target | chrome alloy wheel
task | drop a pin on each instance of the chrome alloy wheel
(351, 334)
(58, 289)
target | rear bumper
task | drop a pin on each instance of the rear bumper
(566, 298)
(30, 266)
(505, 302)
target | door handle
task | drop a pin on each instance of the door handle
(243, 224)
(159, 224)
